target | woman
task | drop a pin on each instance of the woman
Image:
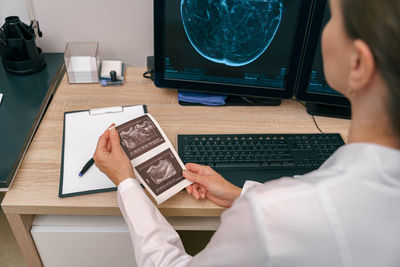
(344, 214)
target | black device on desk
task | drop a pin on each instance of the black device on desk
(312, 87)
(258, 157)
(24, 103)
(18, 49)
(240, 48)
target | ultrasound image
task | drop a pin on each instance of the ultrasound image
(231, 32)
(139, 136)
(161, 171)
(138, 133)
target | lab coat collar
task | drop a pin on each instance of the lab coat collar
(372, 158)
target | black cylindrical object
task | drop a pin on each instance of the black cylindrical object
(18, 49)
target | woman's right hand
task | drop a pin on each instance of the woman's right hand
(211, 185)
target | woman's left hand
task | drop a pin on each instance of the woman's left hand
(111, 159)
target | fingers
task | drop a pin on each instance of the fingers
(189, 189)
(191, 176)
(202, 192)
(103, 140)
(114, 139)
(193, 167)
(200, 169)
(109, 146)
(197, 191)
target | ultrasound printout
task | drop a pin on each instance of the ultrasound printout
(156, 164)
(139, 136)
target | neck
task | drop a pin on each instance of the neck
(371, 124)
(372, 137)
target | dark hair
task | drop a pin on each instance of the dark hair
(377, 23)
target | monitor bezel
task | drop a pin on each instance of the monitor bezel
(313, 36)
(229, 89)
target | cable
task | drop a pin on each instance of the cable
(146, 74)
(316, 124)
(247, 100)
(312, 116)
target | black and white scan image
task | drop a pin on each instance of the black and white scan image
(139, 136)
(231, 32)
(161, 172)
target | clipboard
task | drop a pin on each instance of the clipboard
(81, 132)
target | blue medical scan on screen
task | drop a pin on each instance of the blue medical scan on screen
(235, 42)
(231, 32)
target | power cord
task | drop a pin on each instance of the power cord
(312, 116)
(148, 74)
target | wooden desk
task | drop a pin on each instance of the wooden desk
(35, 189)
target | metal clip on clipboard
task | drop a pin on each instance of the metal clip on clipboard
(99, 111)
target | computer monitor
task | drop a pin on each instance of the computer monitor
(242, 48)
(312, 87)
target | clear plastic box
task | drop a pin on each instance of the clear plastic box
(82, 61)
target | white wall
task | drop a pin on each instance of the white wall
(124, 28)
(13, 8)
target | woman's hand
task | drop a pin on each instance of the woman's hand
(211, 185)
(111, 159)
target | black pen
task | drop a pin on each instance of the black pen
(86, 167)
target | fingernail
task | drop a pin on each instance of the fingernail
(113, 131)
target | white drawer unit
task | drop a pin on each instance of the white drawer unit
(82, 241)
(68, 240)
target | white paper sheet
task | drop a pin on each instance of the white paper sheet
(82, 131)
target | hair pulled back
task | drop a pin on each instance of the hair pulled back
(378, 24)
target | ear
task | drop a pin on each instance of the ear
(362, 66)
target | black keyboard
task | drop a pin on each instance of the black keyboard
(259, 157)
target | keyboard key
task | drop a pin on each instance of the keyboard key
(276, 164)
(188, 160)
(237, 165)
(288, 164)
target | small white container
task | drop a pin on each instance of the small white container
(82, 61)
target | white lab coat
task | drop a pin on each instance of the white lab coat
(346, 213)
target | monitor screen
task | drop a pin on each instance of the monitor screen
(317, 83)
(313, 86)
(249, 48)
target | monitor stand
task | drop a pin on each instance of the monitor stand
(242, 101)
(329, 111)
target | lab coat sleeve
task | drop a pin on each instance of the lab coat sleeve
(239, 241)
(155, 242)
(249, 184)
